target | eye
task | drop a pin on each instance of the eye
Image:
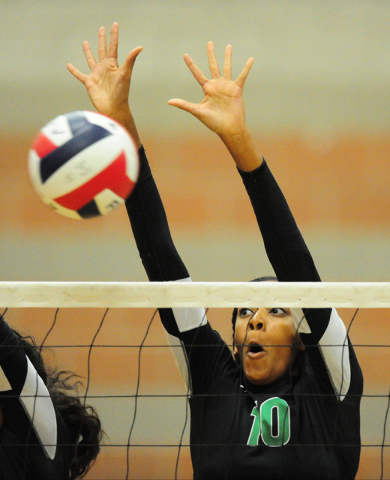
(245, 312)
(278, 312)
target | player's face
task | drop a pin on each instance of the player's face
(264, 339)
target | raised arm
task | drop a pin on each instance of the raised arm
(223, 112)
(108, 87)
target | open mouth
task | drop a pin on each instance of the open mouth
(255, 348)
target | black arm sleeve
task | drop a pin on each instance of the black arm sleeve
(152, 235)
(151, 231)
(284, 244)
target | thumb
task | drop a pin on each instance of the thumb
(189, 107)
(131, 58)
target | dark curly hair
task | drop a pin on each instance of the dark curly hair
(82, 420)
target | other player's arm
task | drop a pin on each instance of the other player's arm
(20, 380)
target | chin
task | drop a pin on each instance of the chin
(257, 379)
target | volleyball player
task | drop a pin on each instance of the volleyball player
(285, 403)
(45, 432)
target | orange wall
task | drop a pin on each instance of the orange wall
(340, 181)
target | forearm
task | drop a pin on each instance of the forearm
(284, 244)
(154, 242)
(151, 230)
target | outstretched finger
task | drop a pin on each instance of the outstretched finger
(113, 45)
(213, 64)
(88, 54)
(102, 44)
(245, 72)
(195, 70)
(76, 73)
(227, 64)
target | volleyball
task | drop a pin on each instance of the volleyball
(83, 164)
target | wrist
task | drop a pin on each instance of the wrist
(243, 150)
(125, 118)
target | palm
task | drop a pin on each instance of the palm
(106, 88)
(222, 110)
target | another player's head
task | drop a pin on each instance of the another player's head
(82, 421)
(266, 342)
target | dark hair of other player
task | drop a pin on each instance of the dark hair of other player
(81, 420)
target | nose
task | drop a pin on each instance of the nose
(256, 322)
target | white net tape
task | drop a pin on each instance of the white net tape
(194, 294)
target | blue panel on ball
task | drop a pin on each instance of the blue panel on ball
(85, 134)
(89, 210)
(77, 122)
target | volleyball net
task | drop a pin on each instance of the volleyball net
(110, 334)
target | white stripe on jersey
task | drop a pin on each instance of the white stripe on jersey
(38, 405)
(299, 320)
(180, 357)
(189, 318)
(334, 349)
(186, 319)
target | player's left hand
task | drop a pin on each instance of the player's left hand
(222, 109)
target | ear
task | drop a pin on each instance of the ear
(299, 359)
(235, 351)
(298, 344)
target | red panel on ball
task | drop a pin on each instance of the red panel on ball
(43, 145)
(113, 177)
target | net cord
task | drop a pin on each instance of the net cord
(194, 294)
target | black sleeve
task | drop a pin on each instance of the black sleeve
(283, 242)
(152, 235)
(151, 231)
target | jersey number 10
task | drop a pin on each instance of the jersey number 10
(271, 421)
